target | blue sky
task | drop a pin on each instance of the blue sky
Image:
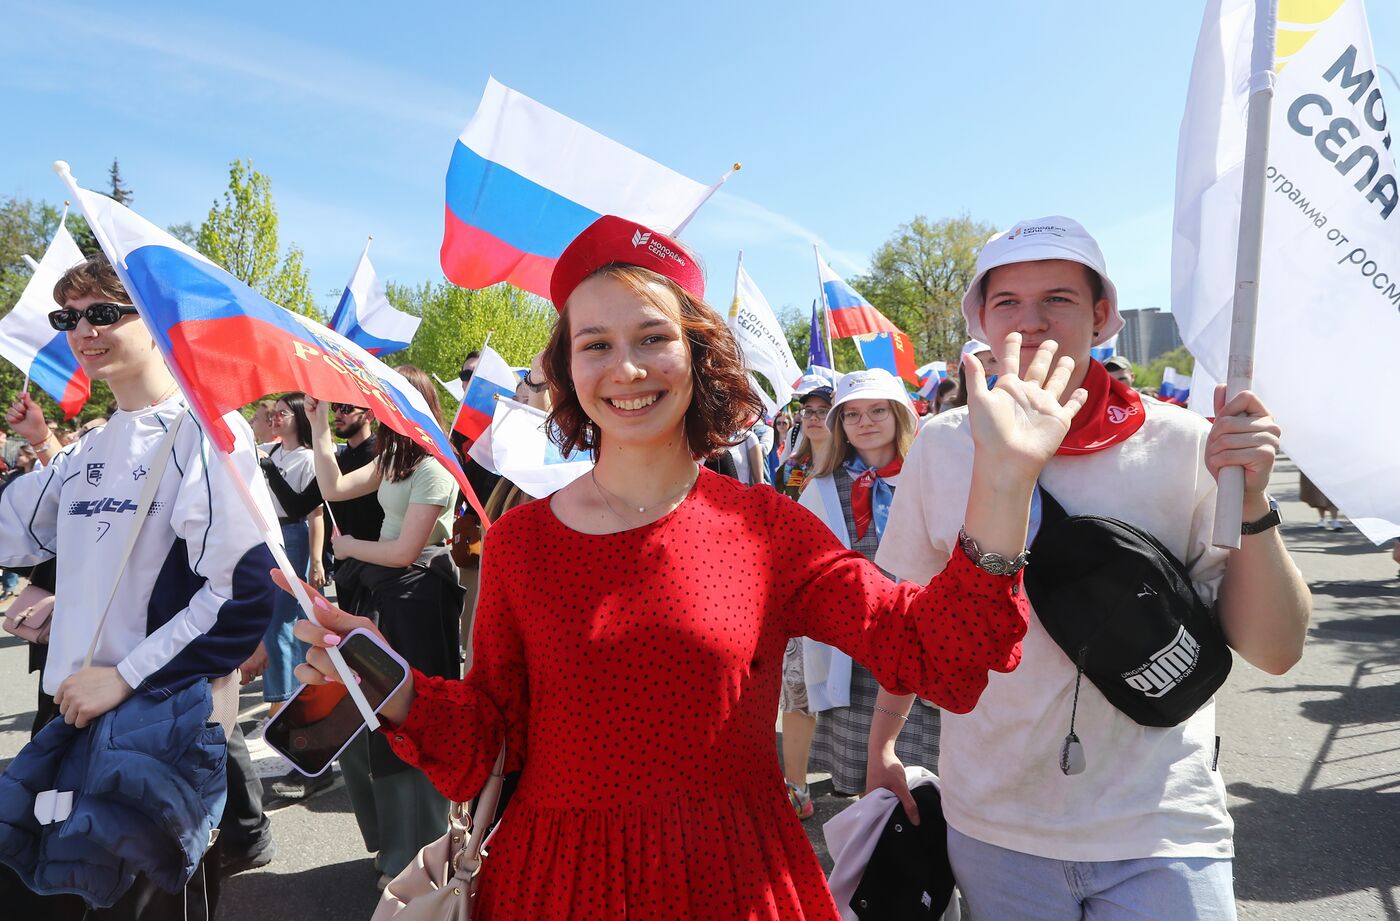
(850, 119)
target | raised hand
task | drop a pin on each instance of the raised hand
(1018, 424)
(27, 419)
(316, 415)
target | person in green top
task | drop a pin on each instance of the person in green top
(406, 582)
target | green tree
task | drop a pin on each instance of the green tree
(917, 278)
(240, 234)
(1149, 376)
(456, 321)
(120, 193)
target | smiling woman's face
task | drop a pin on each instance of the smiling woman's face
(629, 361)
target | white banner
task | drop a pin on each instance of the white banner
(1329, 287)
(761, 337)
(517, 447)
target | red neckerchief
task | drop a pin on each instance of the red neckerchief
(1112, 414)
(860, 494)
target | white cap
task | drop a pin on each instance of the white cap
(973, 346)
(1032, 241)
(871, 384)
(817, 378)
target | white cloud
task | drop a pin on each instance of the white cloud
(738, 222)
(279, 63)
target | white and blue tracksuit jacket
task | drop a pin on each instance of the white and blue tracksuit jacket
(195, 596)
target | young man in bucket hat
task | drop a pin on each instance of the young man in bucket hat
(1141, 831)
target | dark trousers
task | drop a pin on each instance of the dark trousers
(243, 824)
(144, 901)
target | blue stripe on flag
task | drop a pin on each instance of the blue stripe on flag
(511, 208)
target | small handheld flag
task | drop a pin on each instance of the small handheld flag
(365, 316)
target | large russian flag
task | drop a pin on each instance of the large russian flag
(365, 316)
(228, 345)
(492, 378)
(525, 180)
(35, 347)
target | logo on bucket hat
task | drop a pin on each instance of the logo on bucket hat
(1037, 240)
(641, 238)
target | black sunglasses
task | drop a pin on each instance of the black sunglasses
(96, 314)
(343, 408)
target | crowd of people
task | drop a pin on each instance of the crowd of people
(844, 562)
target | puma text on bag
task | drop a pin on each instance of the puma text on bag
(1123, 609)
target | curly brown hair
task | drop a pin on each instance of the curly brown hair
(93, 277)
(722, 404)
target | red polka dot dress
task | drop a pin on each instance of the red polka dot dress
(634, 677)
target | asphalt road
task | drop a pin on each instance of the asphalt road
(1312, 763)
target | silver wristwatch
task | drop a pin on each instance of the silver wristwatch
(994, 563)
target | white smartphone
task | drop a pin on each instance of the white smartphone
(319, 721)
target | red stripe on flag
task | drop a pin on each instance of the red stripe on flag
(859, 321)
(473, 258)
(470, 422)
(75, 394)
(232, 361)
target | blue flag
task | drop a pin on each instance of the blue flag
(816, 345)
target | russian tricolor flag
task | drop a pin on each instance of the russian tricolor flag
(228, 345)
(493, 378)
(1176, 387)
(35, 347)
(525, 180)
(931, 374)
(518, 447)
(365, 316)
(852, 315)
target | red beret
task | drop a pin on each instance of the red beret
(613, 240)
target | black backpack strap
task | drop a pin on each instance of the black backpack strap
(1051, 511)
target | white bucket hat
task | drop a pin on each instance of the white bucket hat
(871, 384)
(1052, 237)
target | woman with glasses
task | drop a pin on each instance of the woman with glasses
(289, 460)
(406, 583)
(814, 402)
(872, 423)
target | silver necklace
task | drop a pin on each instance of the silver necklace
(641, 509)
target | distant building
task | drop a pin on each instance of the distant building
(1146, 334)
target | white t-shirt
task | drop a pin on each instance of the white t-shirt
(1146, 792)
(298, 467)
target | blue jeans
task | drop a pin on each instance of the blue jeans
(1011, 886)
(285, 651)
(9, 581)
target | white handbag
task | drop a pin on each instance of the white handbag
(440, 883)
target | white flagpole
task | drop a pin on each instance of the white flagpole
(826, 311)
(738, 269)
(270, 538)
(29, 261)
(1229, 497)
(708, 194)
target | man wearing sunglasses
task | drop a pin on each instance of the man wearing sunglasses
(193, 598)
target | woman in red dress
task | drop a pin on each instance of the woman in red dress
(630, 630)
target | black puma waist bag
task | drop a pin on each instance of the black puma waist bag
(1123, 609)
